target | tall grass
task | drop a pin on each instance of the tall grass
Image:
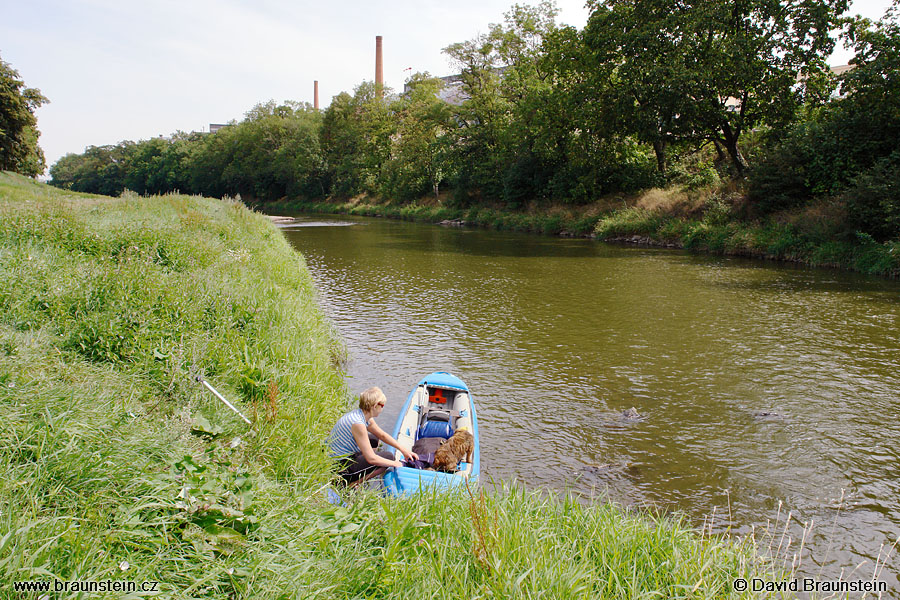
(109, 308)
(114, 464)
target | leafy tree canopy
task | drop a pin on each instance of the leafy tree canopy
(420, 148)
(875, 77)
(19, 150)
(846, 150)
(356, 139)
(720, 67)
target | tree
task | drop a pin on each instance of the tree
(872, 100)
(503, 79)
(715, 69)
(19, 150)
(144, 173)
(161, 165)
(846, 149)
(276, 149)
(420, 158)
(66, 172)
(534, 156)
(482, 117)
(536, 124)
(356, 140)
(875, 77)
(209, 159)
(637, 76)
(100, 170)
(273, 153)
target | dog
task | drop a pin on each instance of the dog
(460, 445)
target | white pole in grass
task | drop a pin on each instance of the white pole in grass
(222, 398)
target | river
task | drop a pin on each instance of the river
(768, 394)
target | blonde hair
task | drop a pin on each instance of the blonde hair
(369, 398)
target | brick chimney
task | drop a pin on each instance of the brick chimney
(316, 94)
(379, 68)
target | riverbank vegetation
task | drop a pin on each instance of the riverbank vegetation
(548, 119)
(116, 465)
(697, 219)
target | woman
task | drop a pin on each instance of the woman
(355, 437)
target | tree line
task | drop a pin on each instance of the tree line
(553, 113)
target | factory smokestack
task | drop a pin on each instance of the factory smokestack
(316, 94)
(379, 68)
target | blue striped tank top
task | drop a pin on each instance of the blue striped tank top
(341, 440)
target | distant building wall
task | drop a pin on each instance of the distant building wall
(452, 91)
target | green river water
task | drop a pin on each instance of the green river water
(763, 389)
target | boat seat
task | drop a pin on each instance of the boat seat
(461, 409)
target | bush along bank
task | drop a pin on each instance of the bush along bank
(117, 467)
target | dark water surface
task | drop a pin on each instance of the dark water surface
(763, 389)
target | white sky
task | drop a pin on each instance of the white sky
(128, 70)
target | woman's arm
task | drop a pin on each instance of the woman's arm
(382, 435)
(362, 440)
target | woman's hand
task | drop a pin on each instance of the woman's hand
(409, 455)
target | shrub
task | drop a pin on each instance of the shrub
(873, 202)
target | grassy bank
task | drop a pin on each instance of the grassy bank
(705, 219)
(115, 465)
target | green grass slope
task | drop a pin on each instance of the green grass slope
(115, 465)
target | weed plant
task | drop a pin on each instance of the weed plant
(117, 465)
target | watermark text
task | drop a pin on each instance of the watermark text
(809, 584)
(106, 585)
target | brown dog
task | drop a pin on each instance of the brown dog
(460, 445)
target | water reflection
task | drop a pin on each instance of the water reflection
(759, 385)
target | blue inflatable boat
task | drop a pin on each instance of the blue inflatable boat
(439, 405)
